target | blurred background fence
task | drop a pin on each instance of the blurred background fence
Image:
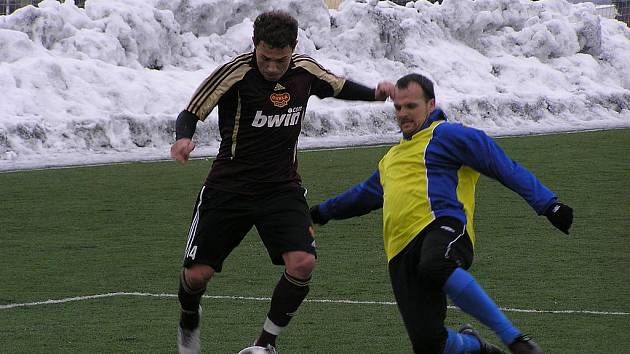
(8, 6)
(623, 10)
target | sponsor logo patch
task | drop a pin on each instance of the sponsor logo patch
(292, 117)
(280, 99)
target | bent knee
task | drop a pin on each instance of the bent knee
(300, 264)
(199, 274)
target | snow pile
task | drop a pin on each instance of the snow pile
(105, 83)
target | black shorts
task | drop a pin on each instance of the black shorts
(417, 275)
(222, 219)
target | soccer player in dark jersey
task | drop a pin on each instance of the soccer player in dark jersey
(261, 97)
(426, 187)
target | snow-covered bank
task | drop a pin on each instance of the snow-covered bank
(105, 83)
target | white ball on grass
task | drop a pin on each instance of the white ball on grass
(254, 350)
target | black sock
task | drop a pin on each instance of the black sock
(266, 338)
(189, 300)
(286, 299)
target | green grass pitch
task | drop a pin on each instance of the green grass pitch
(122, 228)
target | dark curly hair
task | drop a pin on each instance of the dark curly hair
(276, 28)
(421, 80)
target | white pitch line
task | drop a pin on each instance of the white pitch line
(329, 301)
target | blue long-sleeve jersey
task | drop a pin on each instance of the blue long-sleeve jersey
(432, 174)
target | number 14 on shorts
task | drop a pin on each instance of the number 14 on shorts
(191, 254)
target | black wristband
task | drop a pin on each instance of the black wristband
(185, 125)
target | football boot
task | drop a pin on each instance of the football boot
(523, 344)
(484, 346)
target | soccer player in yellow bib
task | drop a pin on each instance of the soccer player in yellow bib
(426, 187)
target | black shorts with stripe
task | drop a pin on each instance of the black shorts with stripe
(221, 220)
(418, 274)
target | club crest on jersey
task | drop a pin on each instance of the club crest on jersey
(280, 99)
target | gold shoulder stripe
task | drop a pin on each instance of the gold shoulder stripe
(314, 68)
(304, 57)
(216, 75)
(213, 97)
(239, 66)
(211, 81)
(298, 56)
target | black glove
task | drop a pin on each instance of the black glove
(561, 216)
(316, 216)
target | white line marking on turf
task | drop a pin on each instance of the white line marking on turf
(251, 298)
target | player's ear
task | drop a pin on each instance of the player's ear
(431, 104)
(293, 47)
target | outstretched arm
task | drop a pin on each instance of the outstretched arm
(479, 151)
(358, 200)
(354, 91)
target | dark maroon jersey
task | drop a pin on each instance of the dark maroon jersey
(259, 121)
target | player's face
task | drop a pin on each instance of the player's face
(412, 109)
(273, 62)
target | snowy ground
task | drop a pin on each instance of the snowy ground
(105, 83)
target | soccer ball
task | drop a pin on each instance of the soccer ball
(254, 350)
